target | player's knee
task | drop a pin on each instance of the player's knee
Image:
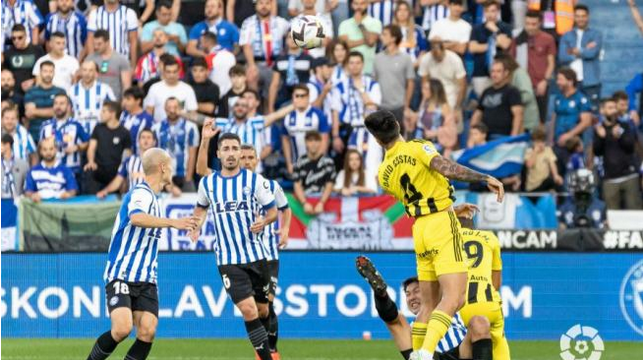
(248, 309)
(121, 331)
(146, 332)
(263, 310)
(479, 327)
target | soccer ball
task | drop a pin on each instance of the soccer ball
(307, 32)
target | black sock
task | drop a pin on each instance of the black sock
(103, 347)
(139, 350)
(482, 350)
(265, 322)
(386, 308)
(259, 338)
(406, 354)
(273, 331)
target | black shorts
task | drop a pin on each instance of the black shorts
(244, 280)
(273, 268)
(137, 296)
(453, 354)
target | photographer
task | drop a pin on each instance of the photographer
(615, 142)
(582, 209)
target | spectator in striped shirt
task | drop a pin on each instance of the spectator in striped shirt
(69, 134)
(88, 95)
(382, 10)
(113, 68)
(24, 148)
(150, 65)
(72, 24)
(50, 179)
(23, 12)
(314, 175)
(180, 138)
(133, 117)
(177, 38)
(14, 170)
(66, 65)
(39, 100)
(432, 12)
(122, 24)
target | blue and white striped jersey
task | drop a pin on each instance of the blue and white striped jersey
(119, 24)
(297, 123)
(23, 12)
(50, 182)
(23, 144)
(87, 102)
(132, 170)
(132, 249)
(315, 89)
(432, 14)
(270, 236)
(252, 131)
(454, 336)
(73, 25)
(347, 100)
(68, 132)
(135, 123)
(383, 11)
(177, 139)
(235, 202)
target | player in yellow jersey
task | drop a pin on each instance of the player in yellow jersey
(416, 174)
(485, 277)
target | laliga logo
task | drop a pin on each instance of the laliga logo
(631, 299)
(581, 343)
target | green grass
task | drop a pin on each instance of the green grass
(235, 349)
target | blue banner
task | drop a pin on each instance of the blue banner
(321, 295)
(499, 158)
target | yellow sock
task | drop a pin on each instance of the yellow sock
(439, 323)
(417, 334)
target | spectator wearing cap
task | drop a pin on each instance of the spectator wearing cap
(298, 123)
(453, 31)
(580, 49)
(320, 86)
(109, 144)
(289, 69)
(177, 37)
(14, 170)
(361, 33)
(500, 106)
(487, 39)
(113, 68)
(615, 142)
(314, 175)
(394, 71)
(220, 60)
(207, 92)
(535, 50)
(571, 116)
(50, 179)
(226, 33)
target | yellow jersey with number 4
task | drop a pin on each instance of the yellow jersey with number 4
(483, 254)
(406, 174)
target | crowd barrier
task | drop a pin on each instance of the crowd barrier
(320, 295)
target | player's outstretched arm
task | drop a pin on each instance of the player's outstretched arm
(148, 221)
(199, 215)
(455, 171)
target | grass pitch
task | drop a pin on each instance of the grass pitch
(237, 349)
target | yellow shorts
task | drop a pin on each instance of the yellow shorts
(438, 246)
(493, 312)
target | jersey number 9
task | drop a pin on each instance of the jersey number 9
(474, 252)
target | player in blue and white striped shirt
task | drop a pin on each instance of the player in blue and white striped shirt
(131, 268)
(71, 23)
(70, 135)
(122, 24)
(88, 95)
(458, 342)
(235, 197)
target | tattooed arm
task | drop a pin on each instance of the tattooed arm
(455, 171)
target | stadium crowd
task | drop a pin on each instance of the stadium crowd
(87, 86)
